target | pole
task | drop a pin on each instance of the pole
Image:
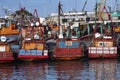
(59, 17)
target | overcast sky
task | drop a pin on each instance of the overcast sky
(46, 7)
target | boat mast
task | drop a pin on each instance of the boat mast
(59, 17)
(95, 20)
(60, 32)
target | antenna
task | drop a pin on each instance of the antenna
(20, 5)
(6, 10)
(44, 10)
(116, 7)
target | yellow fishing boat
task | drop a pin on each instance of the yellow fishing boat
(8, 40)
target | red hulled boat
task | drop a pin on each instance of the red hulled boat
(8, 40)
(68, 43)
(32, 41)
(103, 43)
(103, 48)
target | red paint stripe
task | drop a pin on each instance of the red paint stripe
(32, 57)
(6, 59)
(102, 55)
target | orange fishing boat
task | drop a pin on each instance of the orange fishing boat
(103, 48)
(32, 41)
(8, 40)
(103, 44)
(67, 45)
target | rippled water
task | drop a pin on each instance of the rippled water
(62, 70)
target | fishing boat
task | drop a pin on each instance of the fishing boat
(103, 43)
(32, 41)
(67, 43)
(8, 40)
(102, 48)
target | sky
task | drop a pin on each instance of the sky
(46, 7)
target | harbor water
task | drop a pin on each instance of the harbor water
(62, 70)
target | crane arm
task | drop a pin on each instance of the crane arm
(84, 5)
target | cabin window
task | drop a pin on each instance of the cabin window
(2, 48)
(68, 43)
(101, 44)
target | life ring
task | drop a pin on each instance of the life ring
(36, 36)
(116, 30)
(3, 38)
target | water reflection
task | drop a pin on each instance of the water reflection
(5, 71)
(23, 71)
(103, 69)
(62, 70)
(65, 70)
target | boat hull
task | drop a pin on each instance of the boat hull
(32, 58)
(6, 57)
(68, 53)
(32, 55)
(102, 56)
(102, 52)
